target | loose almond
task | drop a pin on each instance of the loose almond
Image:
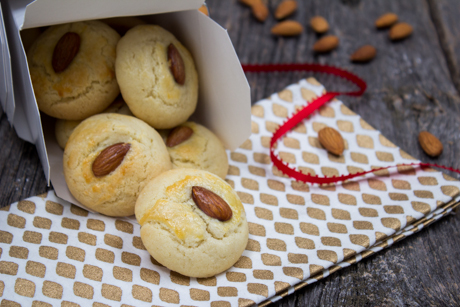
(331, 140)
(65, 51)
(249, 3)
(178, 135)
(364, 54)
(386, 20)
(176, 64)
(400, 31)
(109, 159)
(204, 9)
(319, 24)
(430, 144)
(260, 11)
(287, 28)
(211, 204)
(326, 44)
(285, 8)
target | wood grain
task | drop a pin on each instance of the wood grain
(410, 88)
(413, 85)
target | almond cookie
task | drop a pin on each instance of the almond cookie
(64, 128)
(72, 68)
(157, 76)
(192, 222)
(192, 145)
(109, 158)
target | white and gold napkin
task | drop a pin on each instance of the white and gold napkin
(54, 253)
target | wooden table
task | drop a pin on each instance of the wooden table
(413, 85)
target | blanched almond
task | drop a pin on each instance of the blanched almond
(386, 20)
(65, 51)
(364, 54)
(331, 140)
(109, 159)
(211, 204)
(285, 8)
(400, 31)
(326, 44)
(287, 28)
(178, 135)
(319, 24)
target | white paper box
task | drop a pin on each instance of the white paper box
(224, 94)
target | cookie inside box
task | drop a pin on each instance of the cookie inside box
(223, 104)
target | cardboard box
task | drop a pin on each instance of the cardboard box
(224, 94)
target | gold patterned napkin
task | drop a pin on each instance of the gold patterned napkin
(52, 252)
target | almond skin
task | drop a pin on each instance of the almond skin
(331, 140)
(326, 44)
(287, 28)
(400, 31)
(430, 144)
(211, 204)
(109, 159)
(364, 54)
(319, 24)
(176, 64)
(386, 20)
(178, 135)
(204, 9)
(249, 3)
(260, 11)
(285, 8)
(65, 51)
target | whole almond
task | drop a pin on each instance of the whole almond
(430, 144)
(331, 140)
(326, 44)
(364, 54)
(400, 31)
(176, 64)
(178, 135)
(211, 204)
(204, 9)
(109, 159)
(285, 8)
(386, 20)
(260, 11)
(287, 28)
(65, 51)
(319, 24)
(249, 3)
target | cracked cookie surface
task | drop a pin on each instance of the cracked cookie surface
(181, 236)
(114, 194)
(146, 81)
(88, 85)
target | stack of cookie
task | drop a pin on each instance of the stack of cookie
(122, 99)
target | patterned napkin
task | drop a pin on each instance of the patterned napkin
(52, 252)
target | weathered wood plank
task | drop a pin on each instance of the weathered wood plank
(409, 89)
(445, 16)
(21, 173)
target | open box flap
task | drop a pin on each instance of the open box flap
(6, 83)
(49, 12)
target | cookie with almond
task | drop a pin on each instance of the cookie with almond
(192, 222)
